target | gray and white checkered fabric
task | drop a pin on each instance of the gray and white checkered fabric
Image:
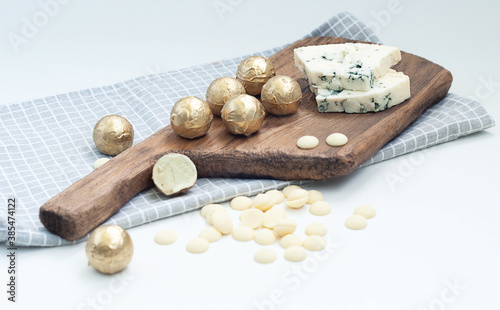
(46, 144)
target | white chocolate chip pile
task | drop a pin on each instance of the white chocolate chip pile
(266, 220)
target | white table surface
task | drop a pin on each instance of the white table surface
(435, 242)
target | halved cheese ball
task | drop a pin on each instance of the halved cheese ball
(174, 174)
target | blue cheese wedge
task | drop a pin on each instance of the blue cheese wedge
(353, 66)
(389, 90)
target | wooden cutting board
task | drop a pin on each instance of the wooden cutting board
(270, 153)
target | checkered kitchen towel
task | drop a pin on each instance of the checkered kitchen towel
(46, 144)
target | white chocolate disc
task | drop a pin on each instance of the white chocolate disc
(289, 189)
(314, 243)
(290, 240)
(210, 234)
(252, 218)
(295, 253)
(209, 209)
(285, 226)
(320, 208)
(307, 142)
(356, 222)
(316, 228)
(265, 256)
(336, 139)
(165, 236)
(197, 245)
(243, 233)
(222, 222)
(297, 198)
(314, 196)
(265, 237)
(272, 216)
(365, 210)
(263, 202)
(277, 195)
(212, 210)
(241, 203)
(100, 162)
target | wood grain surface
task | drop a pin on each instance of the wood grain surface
(270, 153)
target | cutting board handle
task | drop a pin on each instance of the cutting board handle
(94, 198)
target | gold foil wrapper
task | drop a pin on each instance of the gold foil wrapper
(221, 90)
(113, 134)
(281, 95)
(191, 117)
(243, 115)
(109, 249)
(253, 72)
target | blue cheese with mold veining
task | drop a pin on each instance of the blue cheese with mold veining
(389, 90)
(353, 66)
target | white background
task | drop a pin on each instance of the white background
(435, 242)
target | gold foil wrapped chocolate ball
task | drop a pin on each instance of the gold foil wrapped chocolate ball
(113, 134)
(253, 72)
(191, 117)
(281, 95)
(220, 90)
(109, 249)
(243, 115)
